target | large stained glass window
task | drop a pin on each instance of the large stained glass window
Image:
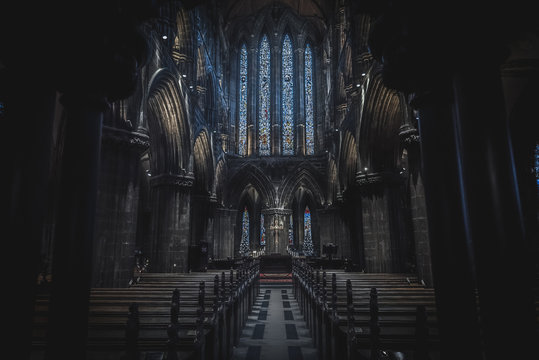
(287, 97)
(264, 119)
(242, 126)
(307, 233)
(262, 231)
(244, 244)
(309, 102)
(291, 231)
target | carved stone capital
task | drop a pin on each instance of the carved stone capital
(372, 181)
(183, 181)
(409, 135)
(276, 211)
(124, 138)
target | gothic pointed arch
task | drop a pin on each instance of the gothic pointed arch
(203, 163)
(183, 49)
(247, 225)
(305, 175)
(381, 118)
(347, 161)
(288, 23)
(219, 180)
(250, 175)
(168, 124)
(306, 221)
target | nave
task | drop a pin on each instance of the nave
(275, 329)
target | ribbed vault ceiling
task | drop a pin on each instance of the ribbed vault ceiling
(306, 8)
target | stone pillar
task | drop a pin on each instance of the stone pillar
(276, 223)
(117, 207)
(452, 266)
(72, 265)
(379, 195)
(252, 143)
(170, 199)
(418, 210)
(494, 210)
(27, 114)
(223, 232)
(333, 229)
(201, 213)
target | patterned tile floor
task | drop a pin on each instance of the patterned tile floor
(275, 329)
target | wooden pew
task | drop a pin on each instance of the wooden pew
(180, 315)
(339, 316)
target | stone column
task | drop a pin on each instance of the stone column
(223, 232)
(170, 199)
(334, 230)
(27, 114)
(418, 210)
(72, 265)
(117, 207)
(379, 192)
(494, 210)
(452, 267)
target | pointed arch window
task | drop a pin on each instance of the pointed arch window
(291, 231)
(309, 102)
(308, 249)
(287, 97)
(264, 118)
(262, 231)
(242, 122)
(244, 244)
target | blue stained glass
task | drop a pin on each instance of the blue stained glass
(244, 244)
(307, 233)
(242, 128)
(287, 97)
(309, 102)
(291, 232)
(264, 118)
(262, 231)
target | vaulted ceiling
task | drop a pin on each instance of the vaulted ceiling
(306, 8)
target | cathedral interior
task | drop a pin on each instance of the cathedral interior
(375, 160)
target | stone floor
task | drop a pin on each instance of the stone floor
(275, 329)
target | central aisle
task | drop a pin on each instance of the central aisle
(275, 329)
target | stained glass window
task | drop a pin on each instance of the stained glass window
(244, 244)
(291, 231)
(262, 231)
(307, 233)
(309, 102)
(287, 97)
(242, 128)
(264, 119)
